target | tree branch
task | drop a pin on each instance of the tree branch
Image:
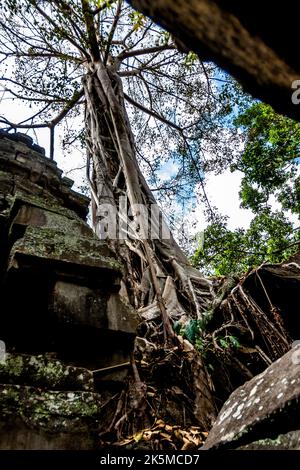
(149, 50)
(52, 143)
(285, 247)
(27, 98)
(201, 179)
(25, 87)
(67, 11)
(76, 97)
(56, 26)
(152, 113)
(12, 125)
(113, 29)
(36, 55)
(129, 73)
(90, 27)
(98, 10)
(12, 33)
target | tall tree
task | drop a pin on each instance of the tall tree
(98, 54)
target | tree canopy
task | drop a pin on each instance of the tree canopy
(269, 165)
(176, 103)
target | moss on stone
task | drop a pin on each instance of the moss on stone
(50, 243)
(68, 225)
(15, 367)
(44, 372)
(288, 441)
(48, 203)
(50, 410)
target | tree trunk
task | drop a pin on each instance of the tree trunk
(159, 280)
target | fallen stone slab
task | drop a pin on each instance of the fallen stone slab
(263, 408)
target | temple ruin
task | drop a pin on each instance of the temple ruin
(62, 317)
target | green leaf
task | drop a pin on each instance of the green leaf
(191, 331)
(234, 341)
(223, 343)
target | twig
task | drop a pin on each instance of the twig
(116, 366)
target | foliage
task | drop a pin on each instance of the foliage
(270, 159)
(269, 163)
(193, 332)
(229, 341)
(270, 237)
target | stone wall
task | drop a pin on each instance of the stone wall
(61, 313)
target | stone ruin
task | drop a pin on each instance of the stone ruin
(68, 334)
(263, 413)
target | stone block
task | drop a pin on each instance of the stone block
(44, 372)
(58, 246)
(80, 305)
(33, 418)
(121, 316)
(263, 408)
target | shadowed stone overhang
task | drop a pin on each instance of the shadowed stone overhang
(254, 41)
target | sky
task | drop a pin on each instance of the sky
(223, 192)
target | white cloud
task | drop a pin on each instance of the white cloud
(223, 192)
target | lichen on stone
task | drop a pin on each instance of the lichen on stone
(44, 372)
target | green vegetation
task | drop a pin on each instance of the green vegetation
(269, 163)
